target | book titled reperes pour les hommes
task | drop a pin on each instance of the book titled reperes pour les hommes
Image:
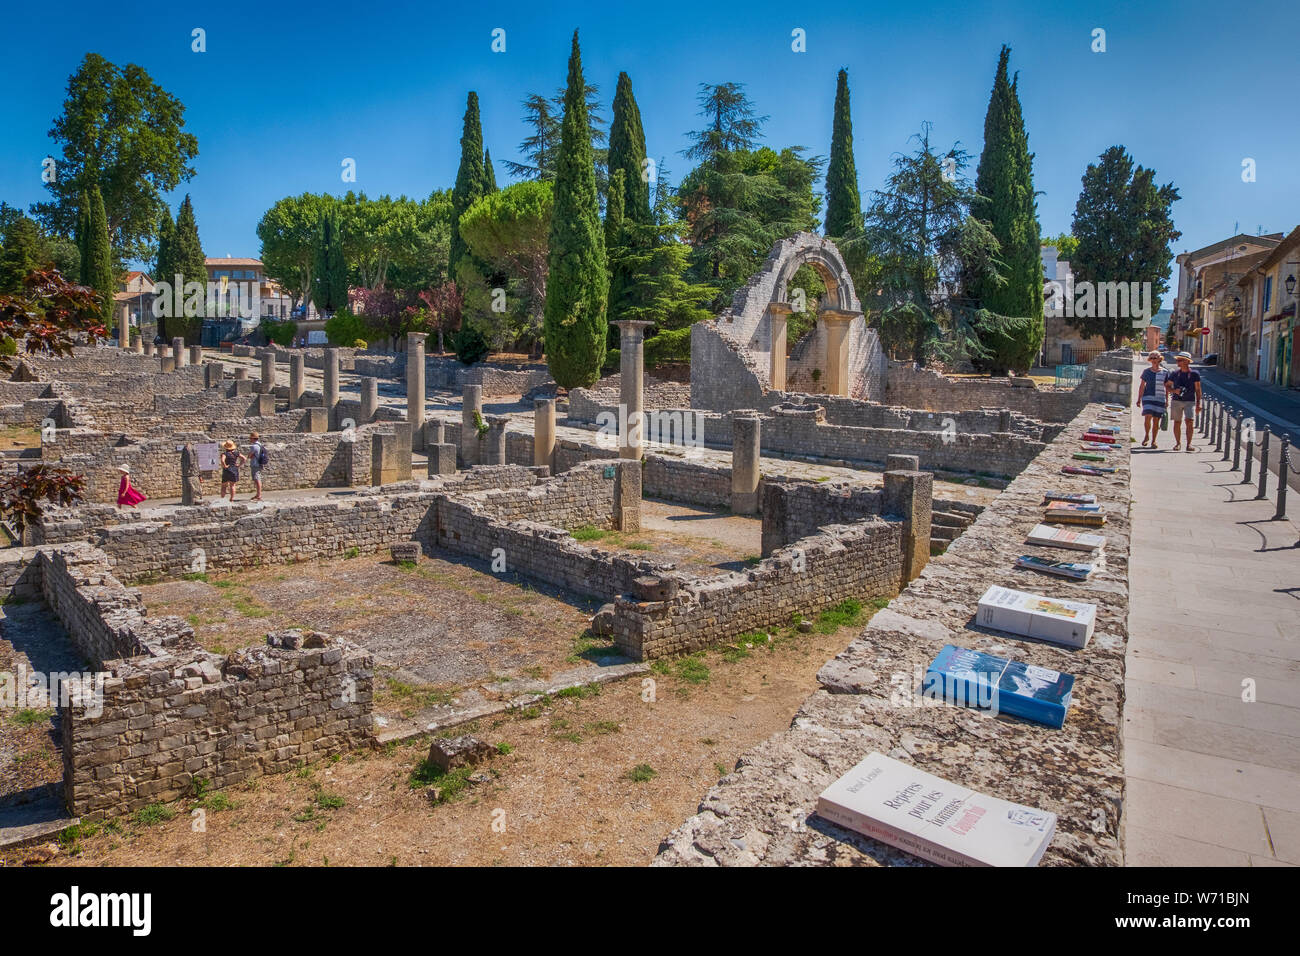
(936, 820)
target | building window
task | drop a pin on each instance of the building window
(1268, 292)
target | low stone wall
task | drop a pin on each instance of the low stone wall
(296, 460)
(164, 714)
(862, 561)
(1106, 380)
(762, 813)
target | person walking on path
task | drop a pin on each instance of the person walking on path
(1151, 399)
(231, 459)
(128, 496)
(1184, 388)
(256, 462)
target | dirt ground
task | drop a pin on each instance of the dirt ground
(598, 777)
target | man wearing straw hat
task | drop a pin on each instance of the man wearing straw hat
(231, 459)
(1184, 388)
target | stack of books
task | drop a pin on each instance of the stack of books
(1051, 496)
(1061, 621)
(938, 821)
(969, 678)
(1090, 515)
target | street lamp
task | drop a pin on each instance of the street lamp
(1290, 284)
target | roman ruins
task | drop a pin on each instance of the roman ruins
(857, 475)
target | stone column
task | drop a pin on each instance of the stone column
(745, 458)
(147, 347)
(137, 342)
(297, 378)
(390, 458)
(493, 446)
(268, 372)
(241, 373)
(778, 313)
(178, 351)
(910, 495)
(196, 354)
(434, 432)
(836, 323)
(166, 363)
(471, 409)
(415, 392)
(213, 375)
(631, 350)
(191, 490)
(627, 497)
(124, 328)
(369, 399)
(544, 433)
(332, 386)
(163, 351)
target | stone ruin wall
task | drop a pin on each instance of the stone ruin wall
(762, 812)
(171, 713)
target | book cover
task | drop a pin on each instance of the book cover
(1095, 446)
(1070, 499)
(1059, 620)
(1086, 470)
(1087, 519)
(1102, 429)
(1099, 438)
(1088, 456)
(1074, 570)
(969, 678)
(1057, 504)
(934, 819)
(1050, 537)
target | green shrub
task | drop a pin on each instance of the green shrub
(469, 345)
(281, 333)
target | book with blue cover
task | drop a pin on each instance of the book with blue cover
(972, 679)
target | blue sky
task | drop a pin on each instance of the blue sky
(285, 92)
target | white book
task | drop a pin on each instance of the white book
(1046, 535)
(1058, 620)
(939, 821)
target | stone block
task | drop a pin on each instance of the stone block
(405, 552)
(466, 750)
(442, 458)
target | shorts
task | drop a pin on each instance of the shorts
(1182, 410)
(256, 473)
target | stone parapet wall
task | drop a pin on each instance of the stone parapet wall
(762, 813)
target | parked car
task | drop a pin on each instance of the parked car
(1211, 359)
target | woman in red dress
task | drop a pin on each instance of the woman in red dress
(127, 495)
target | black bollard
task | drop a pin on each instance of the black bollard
(1250, 452)
(1236, 444)
(1283, 466)
(1263, 466)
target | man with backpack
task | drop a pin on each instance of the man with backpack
(257, 459)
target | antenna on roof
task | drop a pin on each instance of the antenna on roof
(1236, 227)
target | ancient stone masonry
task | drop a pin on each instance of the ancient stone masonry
(163, 713)
(731, 357)
(762, 813)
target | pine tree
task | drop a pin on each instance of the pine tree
(469, 178)
(1005, 199)
(843, 201)
(627, 153)
(187, 261)
(330, 273)
(99, 268)
(23, 252)
(489, 175)
(577, 284)
(539, 147)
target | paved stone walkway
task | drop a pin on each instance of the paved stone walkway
(1212, 780)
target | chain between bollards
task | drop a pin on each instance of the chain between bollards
(1263, 466)
(1283, 466)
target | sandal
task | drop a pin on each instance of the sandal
(1144, 442)
(1178, 446)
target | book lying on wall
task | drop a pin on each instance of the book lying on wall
(1115, 408)
(1086, 470)
(1059, 620)
(1047, 536)
(1073, 507)
(936, 820)
(1069, 499)
(1101, 438)
(1088, 456)
(971, 679)
(1088, 519)
(1101, 429)
(1095, 446)
(1074, 570)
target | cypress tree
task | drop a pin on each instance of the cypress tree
(187, 260)
(1005, 187)
(489, 176)
(577, 284)
(164, 264)
(99, 262)
(469, 179)
(330, 274)
(83, 232)
(22, 253)
(843, 201)
(627, 152)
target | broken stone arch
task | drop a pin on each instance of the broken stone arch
(739, 360)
